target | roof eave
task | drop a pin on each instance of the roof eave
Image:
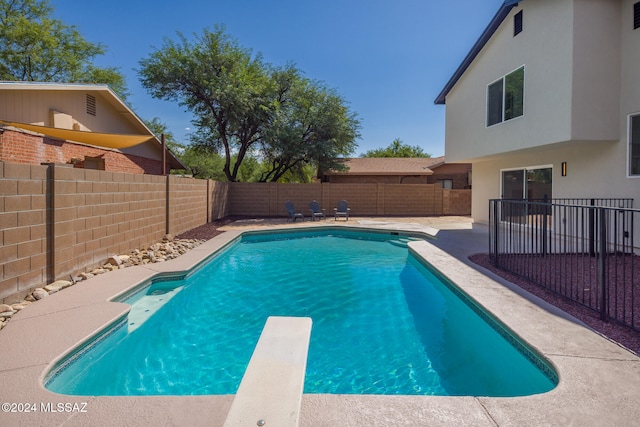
(124, 109)
(477, 47)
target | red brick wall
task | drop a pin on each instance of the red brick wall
(20, 147)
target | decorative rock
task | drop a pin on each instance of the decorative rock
(158, 252)
(6, 310)
(40, 293)
(114, 260)
(57, 285)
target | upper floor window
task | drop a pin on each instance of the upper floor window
(517, 23)
(505, 98)
(634, 145)
(636, 15)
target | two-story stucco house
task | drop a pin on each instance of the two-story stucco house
(547, 102)
(82, 125)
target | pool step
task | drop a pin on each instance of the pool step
(401, 242)
(270, 392)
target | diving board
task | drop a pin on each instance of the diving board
(270, 392)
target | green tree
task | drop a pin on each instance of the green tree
(242, 106)
(220, 82)
(159, 128)
(36, 47)
(397, 149)
(203, 163)
(311, 127)
(200, 161)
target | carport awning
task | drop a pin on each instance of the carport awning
(108, 140)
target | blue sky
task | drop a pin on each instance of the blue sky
(388, 59)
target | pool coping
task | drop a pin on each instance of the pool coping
(599, 381)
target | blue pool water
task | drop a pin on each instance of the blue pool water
(383, 323)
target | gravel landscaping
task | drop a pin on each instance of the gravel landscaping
(614, 331)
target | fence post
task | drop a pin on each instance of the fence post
(592, 228)
(545, 216)
(495, 232)
(602, 263)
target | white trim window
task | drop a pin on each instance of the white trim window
(634, 145)
(505, 98)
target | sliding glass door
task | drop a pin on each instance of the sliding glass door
(530, 184)
(533, 184)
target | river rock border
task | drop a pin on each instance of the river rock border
(169, 248)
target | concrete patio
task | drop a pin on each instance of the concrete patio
(599, 380)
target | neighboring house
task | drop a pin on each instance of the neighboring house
(396, 170)
(84, 125)
(547, 102)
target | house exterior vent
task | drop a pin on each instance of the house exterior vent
(517, 23)
(636, 15)
(91, 105)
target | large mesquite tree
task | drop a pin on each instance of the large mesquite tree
(243, 106)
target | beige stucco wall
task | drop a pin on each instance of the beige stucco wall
(593, 170)
(37, 107)
(546, 56)
(34, 106)
(572, 80)
(630, 71)
(582, 59)
(596, 69)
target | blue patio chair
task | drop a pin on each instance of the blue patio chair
(316, 212)
(342, 210)
(291, 211)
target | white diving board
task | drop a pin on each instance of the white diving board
(270, 393)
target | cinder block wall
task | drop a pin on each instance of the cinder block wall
(456, 202)
(96, 214)
(218, 196)
(57, 221)
(188, 202)
(267, 199)
(23, 227)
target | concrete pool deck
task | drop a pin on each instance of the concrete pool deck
(599, 380)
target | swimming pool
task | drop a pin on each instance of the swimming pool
(384, 323)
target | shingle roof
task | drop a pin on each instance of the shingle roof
(390, 166)
(477, 47)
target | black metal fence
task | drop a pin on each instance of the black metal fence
(584, 249)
